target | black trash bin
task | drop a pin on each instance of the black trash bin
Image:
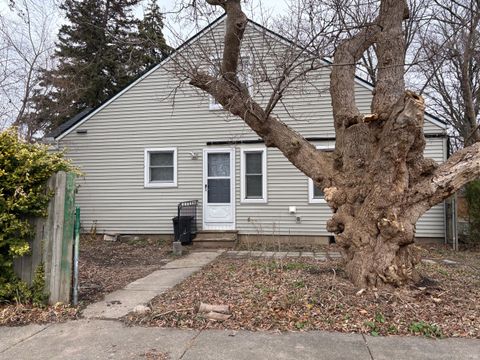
(182, 229)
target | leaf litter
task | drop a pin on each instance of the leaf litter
(301, 294)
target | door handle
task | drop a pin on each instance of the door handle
(206, 187)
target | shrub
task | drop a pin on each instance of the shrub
(24, 171)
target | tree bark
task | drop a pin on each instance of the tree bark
(377, 181)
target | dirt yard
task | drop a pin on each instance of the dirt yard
(306, 294)
(106, 266)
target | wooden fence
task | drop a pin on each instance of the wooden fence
(53, 242)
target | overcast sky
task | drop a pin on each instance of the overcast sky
(273, 7)
(268, 7)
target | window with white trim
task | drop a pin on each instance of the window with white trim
(253, 171)
(315, 194)
(244, 74)
(161, 167)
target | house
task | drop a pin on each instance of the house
(156, 144)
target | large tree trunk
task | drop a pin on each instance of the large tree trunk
(379, 163)
(377, 181)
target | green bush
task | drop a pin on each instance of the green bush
(472, 195)
(24, 171)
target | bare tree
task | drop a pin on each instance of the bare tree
(26, 45)
(451, 66)
(376, 181)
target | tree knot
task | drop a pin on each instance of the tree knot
(390, 228)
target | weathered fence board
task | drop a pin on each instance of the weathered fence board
(48, 235)
(26, 265)
(53, 242)
(66, 262)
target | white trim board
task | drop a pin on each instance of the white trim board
(243, 186)
(146, 170)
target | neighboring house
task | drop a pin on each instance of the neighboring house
(145, 150)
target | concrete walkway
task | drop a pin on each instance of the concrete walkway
(140, 292)
(317, 255)
(106, 339)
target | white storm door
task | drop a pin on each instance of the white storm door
(219, 189)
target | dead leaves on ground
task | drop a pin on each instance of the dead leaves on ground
(103, 267)
(107, 266)
(16, 315)
(304, 294)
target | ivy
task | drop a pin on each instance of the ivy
(24, 171)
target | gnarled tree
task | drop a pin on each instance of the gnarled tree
(377, 181)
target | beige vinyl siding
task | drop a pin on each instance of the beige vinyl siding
(111, 155)
(432, 224)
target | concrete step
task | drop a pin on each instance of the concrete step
(215, 240)
(212, 235)
(212, 245)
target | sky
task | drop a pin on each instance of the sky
(273, 7)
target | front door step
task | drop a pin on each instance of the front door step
(215, 239)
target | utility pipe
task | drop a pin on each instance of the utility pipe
(76, 254)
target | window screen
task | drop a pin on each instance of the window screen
(161, 166)
(253, 175)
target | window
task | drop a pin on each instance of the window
(315, 194)
(161, 167)
(244, 75)
(254, 175)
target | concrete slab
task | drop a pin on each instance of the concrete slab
(243, 253)
(268, 254)
(231, 253)
(193, 259)
(293, 254)
(214, 345)
(100, 339)
(256, 253)
(97, 339)
(162, 278)
(306, 254)
(280, 254)
(418, 348)
(118, 304)
(10, 336)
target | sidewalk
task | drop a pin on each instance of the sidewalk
(106, 339)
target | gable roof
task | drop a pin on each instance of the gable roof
(71, 124)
